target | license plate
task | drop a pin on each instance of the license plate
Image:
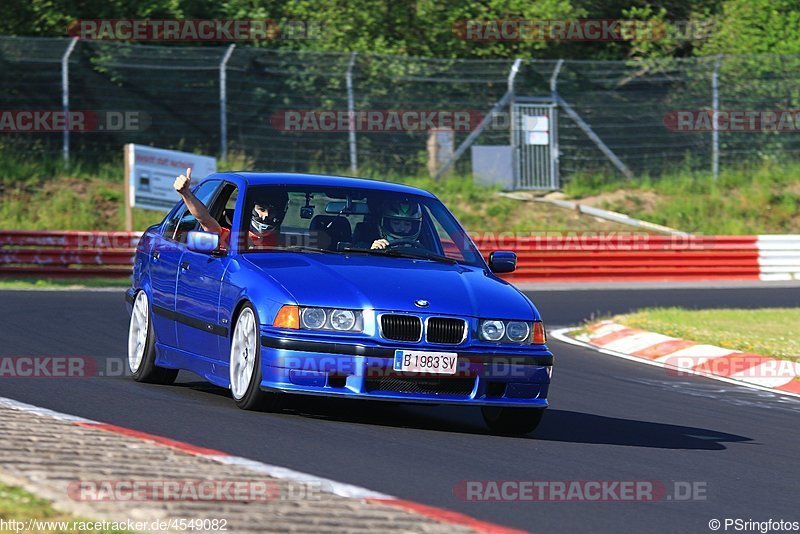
(425, 362)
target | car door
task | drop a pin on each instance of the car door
(165, 259)
(199, 283)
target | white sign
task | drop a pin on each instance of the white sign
(537, 138)
(536, 123)
(151, 172)
(537, 129)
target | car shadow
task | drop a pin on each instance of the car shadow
(557, 425)
(579, 427)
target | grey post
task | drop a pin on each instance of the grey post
(512, 75)
(715, 118)
(351, 115)
(65, 97)
(512, 123)
(554, 170)
(223, 103)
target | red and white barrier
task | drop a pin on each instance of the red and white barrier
(547, 257)
(30, 253)
(629, 257)
(779, 257)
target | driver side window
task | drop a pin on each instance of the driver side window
(184, 222)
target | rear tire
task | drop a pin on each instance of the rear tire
(245, 365)
(142, 346)
(512, 421)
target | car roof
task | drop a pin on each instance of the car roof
(322, 180)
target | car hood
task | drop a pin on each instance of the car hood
(390, 283)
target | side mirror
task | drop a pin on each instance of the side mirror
(203, 242)
(502, 261)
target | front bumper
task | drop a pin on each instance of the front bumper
(483, 377)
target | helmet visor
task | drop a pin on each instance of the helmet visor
(265, 218)
(401, 227)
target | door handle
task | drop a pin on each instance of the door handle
(185, 265)
(156, 255)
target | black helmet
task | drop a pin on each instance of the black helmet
(405, 211)
(276, 204)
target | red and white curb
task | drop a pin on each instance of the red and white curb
(341, 489)
(687, 357)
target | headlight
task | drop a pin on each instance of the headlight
(512, 331)
(492, 330)
(517, 331)
(343, 319)
(331, 319)
(313, 318)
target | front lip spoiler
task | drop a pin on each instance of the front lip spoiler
(532, 404)
(382, 352)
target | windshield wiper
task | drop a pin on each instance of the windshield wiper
(403, 254)
(293, 248)
(303, 248)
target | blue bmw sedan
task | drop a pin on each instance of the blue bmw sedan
(334, 286)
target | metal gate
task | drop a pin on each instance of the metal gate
(534, 139)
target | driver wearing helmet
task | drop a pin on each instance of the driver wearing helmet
(265, 218)
(400, 224)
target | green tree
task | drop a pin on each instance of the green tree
(755, 27)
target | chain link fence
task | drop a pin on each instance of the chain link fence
(218, 99)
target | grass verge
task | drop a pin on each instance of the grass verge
(45, 195)
(18, 505)
(765, 331)
(62, 283)
(748, 200)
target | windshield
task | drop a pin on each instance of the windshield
(354, 221)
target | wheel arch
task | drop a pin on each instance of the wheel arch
(237, 310)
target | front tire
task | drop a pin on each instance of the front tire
(512, 421)
(142, 346)
(245, 365)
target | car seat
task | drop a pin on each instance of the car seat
(366, 233)
(329, 230)
(227, 218)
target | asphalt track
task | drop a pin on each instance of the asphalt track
(609, 419)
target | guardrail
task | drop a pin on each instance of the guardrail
(635, 257)
(25, 253)
(549, 257)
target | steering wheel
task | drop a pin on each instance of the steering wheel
(408, 242)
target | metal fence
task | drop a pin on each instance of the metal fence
(613, 117)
